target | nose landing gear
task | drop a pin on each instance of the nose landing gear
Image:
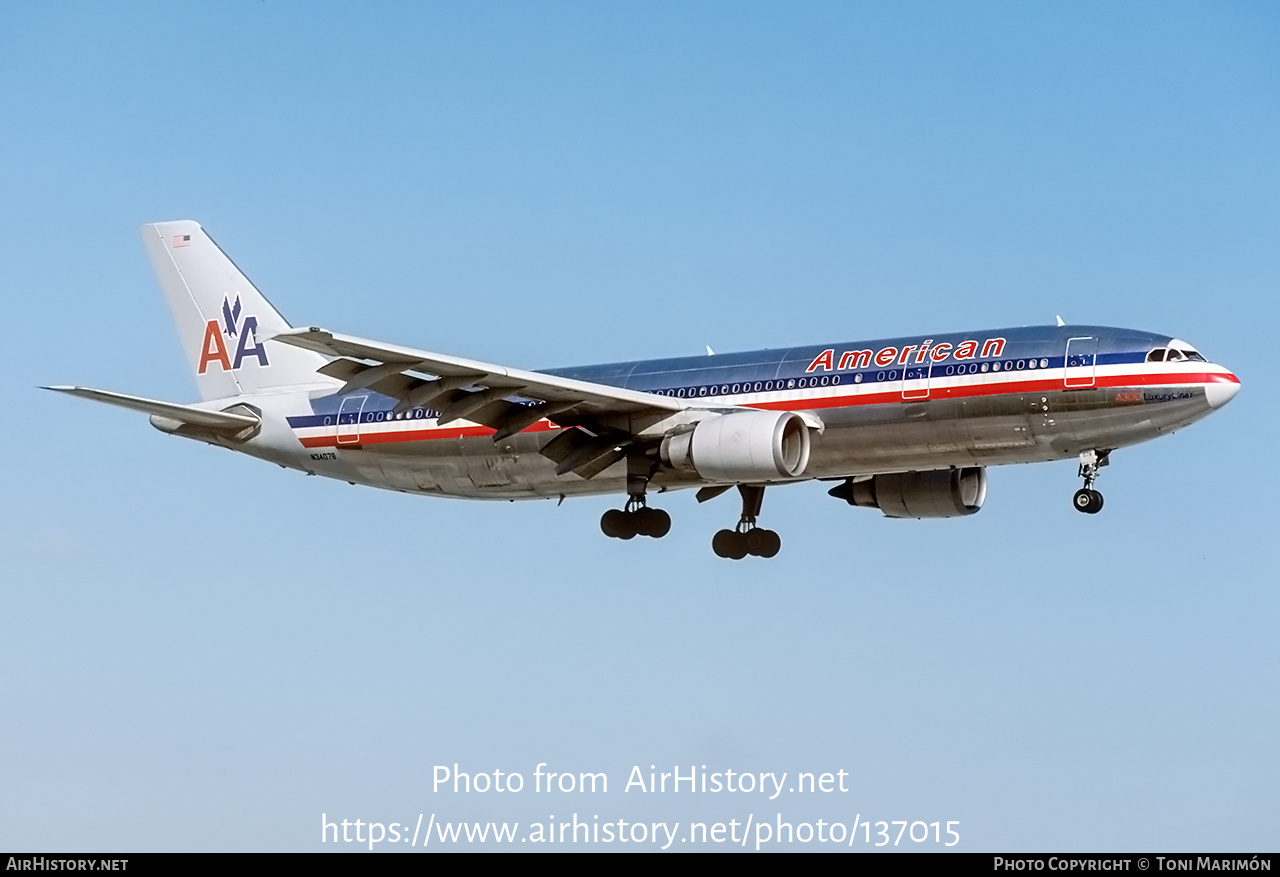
(1087, 499)
(747, 538)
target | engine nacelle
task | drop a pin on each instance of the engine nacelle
(742, 446)
(943, 493)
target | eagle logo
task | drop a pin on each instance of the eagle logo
(230, 316)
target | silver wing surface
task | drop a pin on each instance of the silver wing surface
(606, 421)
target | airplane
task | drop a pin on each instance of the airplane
(904, 425)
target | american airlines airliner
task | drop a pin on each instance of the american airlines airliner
(904, 425)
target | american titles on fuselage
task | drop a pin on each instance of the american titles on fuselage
(915, 361)
(909, 354)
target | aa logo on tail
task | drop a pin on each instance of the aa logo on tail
(245, 334)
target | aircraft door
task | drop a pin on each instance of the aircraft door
(349, 420)
(915, 381)
(1080, 361)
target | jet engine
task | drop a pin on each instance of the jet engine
(943, 493)
(741, 446)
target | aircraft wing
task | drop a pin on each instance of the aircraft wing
(508, 400)
(392, 359)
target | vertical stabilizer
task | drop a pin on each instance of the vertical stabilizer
(221, 317)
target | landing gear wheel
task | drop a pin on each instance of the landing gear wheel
(617, 524)
(728, 543)
(609, 524)
(762, 543)
(652, 522)
(1087, 501)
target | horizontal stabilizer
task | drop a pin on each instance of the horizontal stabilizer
(188, 414)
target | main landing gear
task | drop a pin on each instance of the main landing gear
(1087, 499)
(747, 538)
(637, 519)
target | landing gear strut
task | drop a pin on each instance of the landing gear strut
(1087, 499)
(636, 519)
(747, 538)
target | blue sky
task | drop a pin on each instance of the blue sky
(204, 652)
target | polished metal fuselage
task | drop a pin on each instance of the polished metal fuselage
(1031, 399)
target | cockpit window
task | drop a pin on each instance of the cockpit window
(1180, 351)
(1174, 354)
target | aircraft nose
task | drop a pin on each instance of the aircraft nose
(1223, 390)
